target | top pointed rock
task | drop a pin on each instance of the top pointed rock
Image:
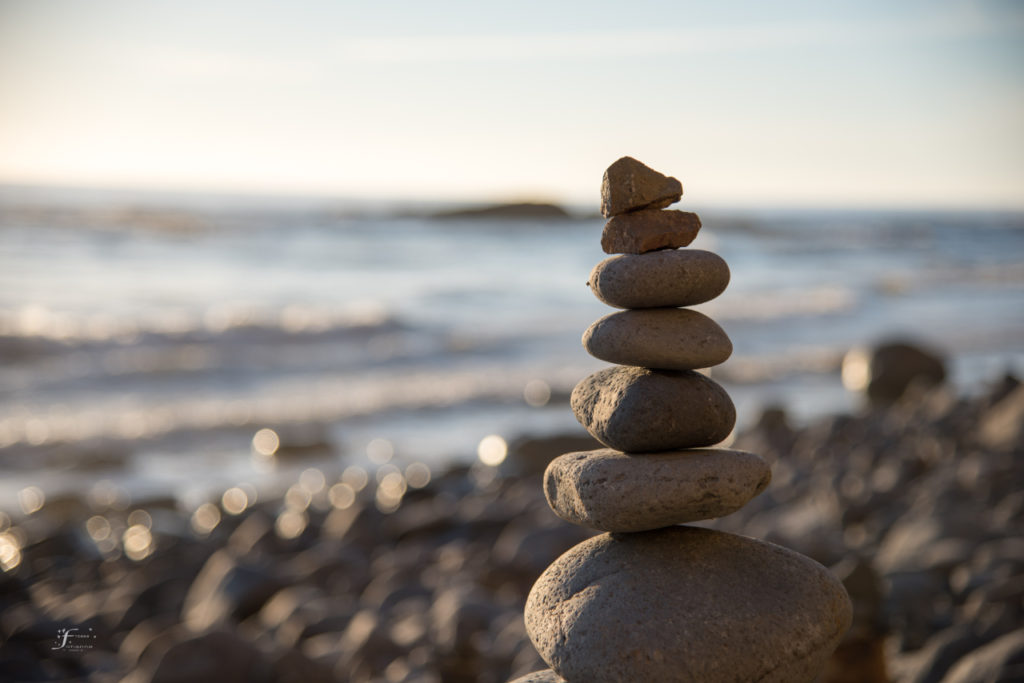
(628, 185)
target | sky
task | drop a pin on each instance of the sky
(871, 103)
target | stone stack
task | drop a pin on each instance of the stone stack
(651, 600)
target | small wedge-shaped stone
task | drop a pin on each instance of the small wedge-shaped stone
(662, 338)
(643, 231)
(612, 491)
(672, 277)
(629, 185)
(685, 604)
(637, 410)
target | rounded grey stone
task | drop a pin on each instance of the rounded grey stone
(673, 277)
(639, 410)
(686, 604)
(664, 338)
(613, 491)
(545, 676)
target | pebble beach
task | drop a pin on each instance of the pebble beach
(916, 507)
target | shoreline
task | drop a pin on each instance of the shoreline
(222, 455)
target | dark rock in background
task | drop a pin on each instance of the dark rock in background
(893, 367)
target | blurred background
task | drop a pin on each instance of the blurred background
(338, 250)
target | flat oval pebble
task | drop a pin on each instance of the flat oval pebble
(671, 277)
(544, 676)
(685, 604)
(638, 410)
(663, 338)
(612, 491)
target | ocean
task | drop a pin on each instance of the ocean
(146, 339)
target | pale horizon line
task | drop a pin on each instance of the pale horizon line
(576, 205)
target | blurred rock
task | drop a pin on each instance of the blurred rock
(291, 666)
(147, 642)
(942, 651)
(1003, 425)
(1001, 661)
(456, 615)
(860, 655)
(513, 211)
(531, 455)
(227, 590)
(527, 549)
(889, 369)
(304, 442)
(367, 644)
(162, 597)
(217, 657)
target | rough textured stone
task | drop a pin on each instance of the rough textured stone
(629, 185)
(545, 676)
(685, 604)
(612, 491)
(672, 277)
(643, 231)
(663, 338)
(637, 410)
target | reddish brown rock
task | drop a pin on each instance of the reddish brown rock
(648, 230)
(629, 185)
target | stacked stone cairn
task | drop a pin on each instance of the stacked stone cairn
(651, 600)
